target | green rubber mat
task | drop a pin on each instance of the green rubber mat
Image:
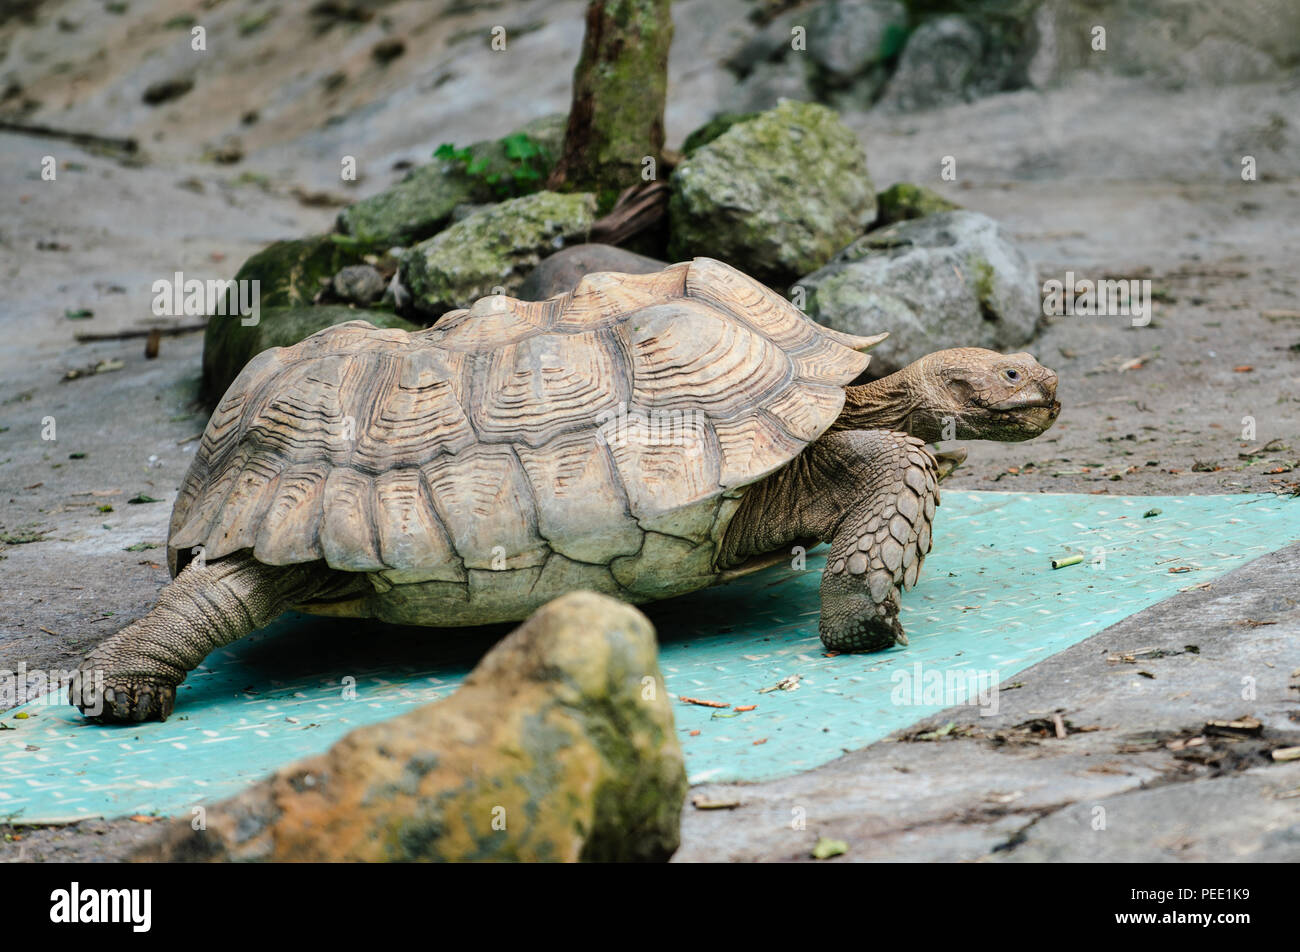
(988, 606)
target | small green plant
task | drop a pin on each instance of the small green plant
(526, 162)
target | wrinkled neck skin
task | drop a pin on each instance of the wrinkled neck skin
(896, 402)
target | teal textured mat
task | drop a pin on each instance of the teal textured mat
(988, 605)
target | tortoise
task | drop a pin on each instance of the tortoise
(642, 436)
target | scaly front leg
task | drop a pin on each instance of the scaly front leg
(882, 538)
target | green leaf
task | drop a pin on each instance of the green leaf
(141, 498)
(826, 848)
(445, 151)
(519, 146)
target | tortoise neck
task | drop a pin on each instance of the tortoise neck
(889, 403)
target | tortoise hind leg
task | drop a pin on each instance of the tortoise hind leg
(133, 675)
(879, 545)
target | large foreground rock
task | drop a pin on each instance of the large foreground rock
(561, 272)
(494, 248)
(775, 196)
(946, 280)
(423, 202)
(559, 746)
(228, 345)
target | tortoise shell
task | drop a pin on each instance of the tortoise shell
(598, 439)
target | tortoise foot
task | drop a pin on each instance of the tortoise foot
(854, 622)
(120, 699)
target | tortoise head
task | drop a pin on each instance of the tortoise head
(968, 393)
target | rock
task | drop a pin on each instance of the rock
(770, 44)
(493, 249)
(291, 273)
(904, 201)
(848, 45)
(848, 39)
(359, 284)
(946, 280)
(955, 59)
(559, 746)
(166, 90)
(714, 128)
(937, 67)
(770, 82)
(561, 272)
(387, 50)
(775, 196)
(422, 203)
(228, 344)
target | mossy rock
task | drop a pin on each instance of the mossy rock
(422, 203)
(905, 201)
(775, 196)
(494, 248)
(714, 128)
(291, 273)
(559, 747)
(228, 345)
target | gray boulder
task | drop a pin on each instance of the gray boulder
(939, 66)
(770, 82)
(561, 272)
(359, 284)
(954, 59)
(946, 280)
(850, 42)
(775, 196)
(847, 45)
(492, 249)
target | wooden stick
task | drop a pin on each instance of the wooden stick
(174, 331)
(80, 138)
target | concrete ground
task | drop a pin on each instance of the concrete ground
(1101, 177)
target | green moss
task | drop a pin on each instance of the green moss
(619, 89)
(714, 128)
(776, 195)
(291, 273)
(905, 201)
(983, 274)
(494, 247)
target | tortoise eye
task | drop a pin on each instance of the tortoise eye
(1012, 374)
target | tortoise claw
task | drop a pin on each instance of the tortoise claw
(949, 460)
(120, 699)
